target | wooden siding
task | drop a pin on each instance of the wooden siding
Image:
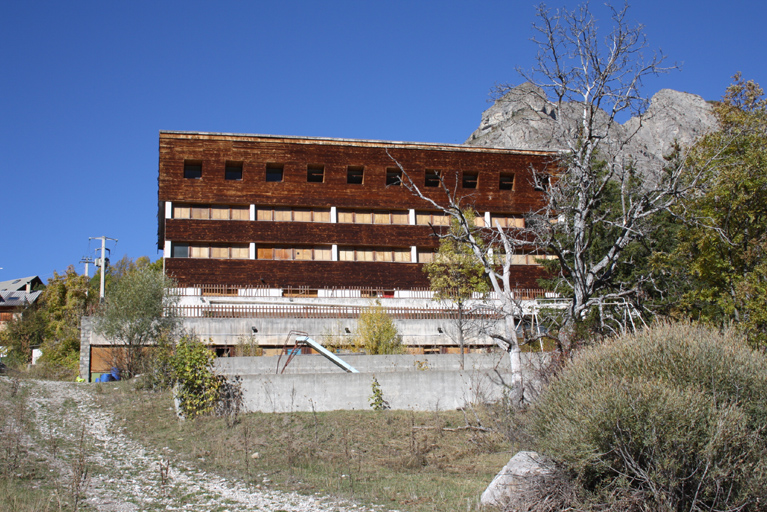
(316, 274)
(213, 151)
(373, 193)
(316, 233)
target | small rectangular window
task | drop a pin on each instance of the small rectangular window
(383, 255)
(179, 250)
(432, 178)
(440, 219)
(219, 252)
(199, 251)
(393, 176)
(233, 171)
(201, 212)
(425, 255)
(400, 218)
(321, 215)
(274, 172)
(381, 217)
(355, 175)
(506, 182)
(240, 252)
(283, 214)
(240, 213)
(363, 217)
(541, 183)
(193, 170)
(345, 254)
(346, 216)
(302, 214)
(315, 173)
(303, 253)
(323, 253)
(219, 212)
(181, 211)
(283, 253)
(365, 254)
(402, 255)
(470, 180)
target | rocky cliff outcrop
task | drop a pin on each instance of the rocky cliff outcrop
(524, 119)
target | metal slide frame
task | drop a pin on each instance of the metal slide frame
(303, 338)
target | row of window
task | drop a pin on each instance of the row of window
(345, 216)
(218, 251)
(215, 212)
(320, 253)
(355, 175)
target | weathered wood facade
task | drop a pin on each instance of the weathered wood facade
(318, 212)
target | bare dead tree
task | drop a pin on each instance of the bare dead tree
(494, 249)
(599, 197)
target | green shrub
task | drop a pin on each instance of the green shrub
(376, 333)
(674, 415)
(197, 387)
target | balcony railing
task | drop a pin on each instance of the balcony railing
(217, 290)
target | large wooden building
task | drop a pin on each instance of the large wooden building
(319, 213)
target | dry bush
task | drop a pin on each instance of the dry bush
(674, 415)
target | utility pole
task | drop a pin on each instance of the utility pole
(102, 261)
(87, 260)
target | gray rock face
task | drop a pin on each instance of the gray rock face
(524, 119)
(513, 478)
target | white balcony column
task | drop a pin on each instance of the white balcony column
(252, 213)
(252, 250)
(166, 249)
(168, 210)
(411, 217)
(334, 252)
(333, 215)
(487, 220)
(413, 254)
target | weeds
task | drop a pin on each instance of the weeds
(402, 460)
(79, 469)
(376, 400)
(14, 425)
(164, 467)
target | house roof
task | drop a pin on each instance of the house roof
(18, 299)
(20, 284)
(331, 141)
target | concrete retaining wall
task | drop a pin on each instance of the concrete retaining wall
(313, 383)
(418, 391)
(273, 331)
(302, 364)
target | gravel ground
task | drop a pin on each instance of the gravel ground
(123, 476)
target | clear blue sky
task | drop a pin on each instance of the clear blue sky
(86, 87)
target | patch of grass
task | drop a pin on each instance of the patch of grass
(404, 460)
(28, 482)
(17, 495)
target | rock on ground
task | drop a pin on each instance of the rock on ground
(513, 478)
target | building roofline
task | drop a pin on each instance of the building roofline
(353, 142)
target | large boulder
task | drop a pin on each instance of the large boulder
(524, 469)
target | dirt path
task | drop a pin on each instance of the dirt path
(123, 476)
